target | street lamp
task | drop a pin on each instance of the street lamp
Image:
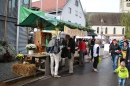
(101, 29)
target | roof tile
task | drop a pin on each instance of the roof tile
(50, 5)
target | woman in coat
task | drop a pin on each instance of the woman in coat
(114, 52)
(82, 51)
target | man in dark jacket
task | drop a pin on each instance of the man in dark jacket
(71, 51)
(114, 51)
(91, 46)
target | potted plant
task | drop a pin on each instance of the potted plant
(2, 52)
(31, 48)
(20, 57)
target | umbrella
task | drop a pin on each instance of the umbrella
(92, 34)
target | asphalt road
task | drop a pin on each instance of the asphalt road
(84, 76)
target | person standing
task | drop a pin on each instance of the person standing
(47, 42)
(124, 51)
(71, 51)
(96, 53)
(54, 57)
(91, 46)
(82, 51)
(114, 52)
(121, 43)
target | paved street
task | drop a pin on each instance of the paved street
(84, 76)
(6, 70)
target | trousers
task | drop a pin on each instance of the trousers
(70, 63)
(81, 57)
(54, 58)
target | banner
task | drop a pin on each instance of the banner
(66, 30)
(74, 32)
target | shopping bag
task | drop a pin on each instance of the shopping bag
(99, 60)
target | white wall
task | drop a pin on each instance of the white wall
(66, 16)
(124, 7)
(109, 29)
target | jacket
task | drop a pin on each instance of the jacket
(82, 45)
(114, 48)
(96, 50)
(128, 54)
(122, 72)
(71, 44)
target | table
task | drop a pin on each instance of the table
(40, 57)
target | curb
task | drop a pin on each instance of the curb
(17, 79)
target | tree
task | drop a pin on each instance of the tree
(125, 21)
(88, 25)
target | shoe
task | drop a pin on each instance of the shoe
(95, 70)
(57, 76)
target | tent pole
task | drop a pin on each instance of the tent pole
(56, 8)
(5, 20)
(17, 40)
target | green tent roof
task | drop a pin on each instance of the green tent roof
(29, 17)
(30, 21)
(24, 13)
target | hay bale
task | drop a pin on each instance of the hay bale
(24, 69)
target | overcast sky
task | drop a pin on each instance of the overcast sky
(99, 5)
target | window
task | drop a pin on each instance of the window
(76, 13)
(114, 30)
(25, 3)
(11, 7)
(128, 4)
(80, 15)
(106, 30)
(123, 32)
(69, 10)
(97, 29)
(76, 3)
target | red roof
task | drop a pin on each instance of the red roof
(50, 5)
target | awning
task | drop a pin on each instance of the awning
(24, 13)
(34, 19)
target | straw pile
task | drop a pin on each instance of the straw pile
(24, 69)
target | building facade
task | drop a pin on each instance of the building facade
(106, 24)
(8, 20)
(124, 6)
(68, 10)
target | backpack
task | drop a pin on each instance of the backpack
(56, 47)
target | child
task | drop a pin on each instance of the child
(122, 74)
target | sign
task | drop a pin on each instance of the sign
(66, 30)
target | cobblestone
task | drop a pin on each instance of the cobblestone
(6, 70)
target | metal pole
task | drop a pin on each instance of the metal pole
(17, 41)
(57, 15)
(101, 29)
(56, 8)
(41, 5)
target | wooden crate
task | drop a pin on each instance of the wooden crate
(41, 40)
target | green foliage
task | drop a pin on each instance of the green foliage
(125, 21)
(88, 24)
